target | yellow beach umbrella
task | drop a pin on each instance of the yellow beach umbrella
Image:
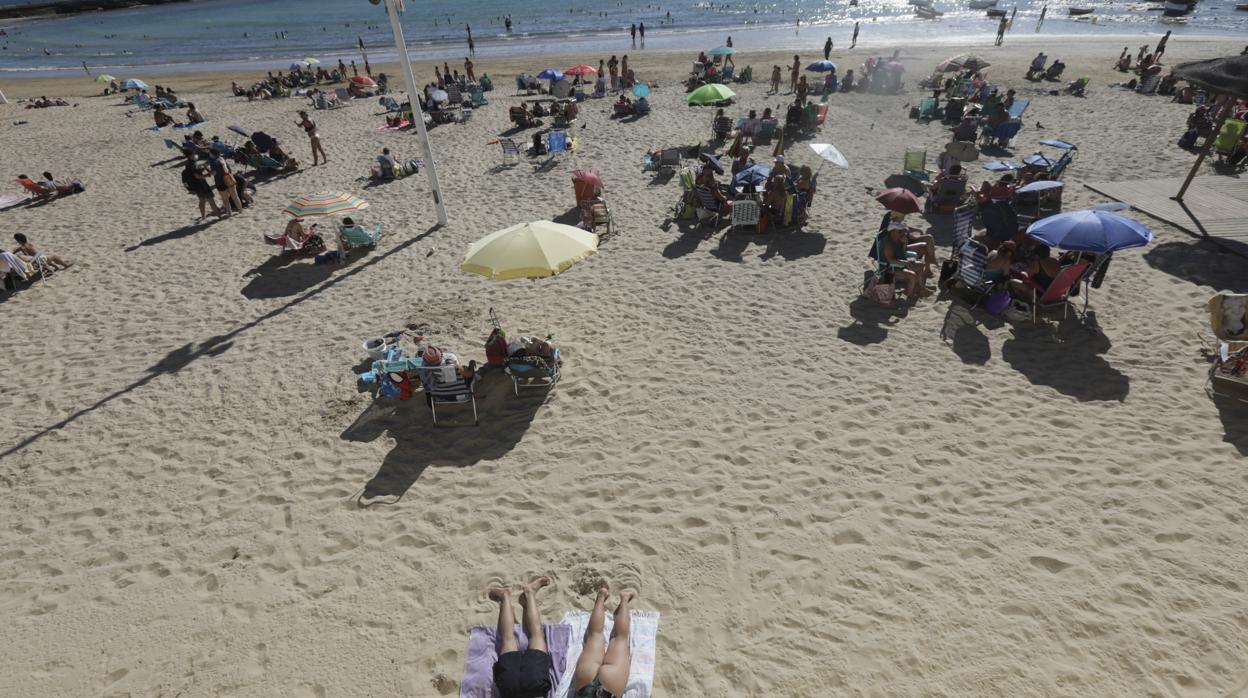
(104, 78)
(529, 251)
(311, 61)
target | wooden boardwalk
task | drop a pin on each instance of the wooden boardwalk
(1215, 208)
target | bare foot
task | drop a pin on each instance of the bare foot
(604, 591)
(500, 594)
(627, 596)
(538, 582)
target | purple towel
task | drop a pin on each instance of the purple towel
(483, 652)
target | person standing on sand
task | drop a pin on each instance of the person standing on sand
(472, 77)
(1161, 45)
(522, 673)
(641, 29)
(354, 71)
(602, 669)
(854, 42)
(613, 66)
(827, 48)
(1001, 31)
(223, 178)
(775, 80)
(314, 137)
(794, 72)
(632, 33)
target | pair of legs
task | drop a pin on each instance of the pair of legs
(205, 201)
(532, 617)
(317, 149)
(229, 198)
(609, 665)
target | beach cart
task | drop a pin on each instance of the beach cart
(1228, 319)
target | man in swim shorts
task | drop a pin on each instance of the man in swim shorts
(521, 673)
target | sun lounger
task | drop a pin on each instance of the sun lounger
(972, 257)
(483, 644)
(533, 372)
(709, 208)
(1057, 292)
(265, 163)
(946, 195)
(643, 642)
(37, 191)
(1069, 150)
(668, 159)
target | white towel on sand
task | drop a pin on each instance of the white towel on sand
(643, 635)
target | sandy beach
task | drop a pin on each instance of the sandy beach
(819, 495)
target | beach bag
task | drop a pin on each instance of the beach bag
(998, 302)
(227, 178)
(411, 167)
(880, 292)
(1189, 138)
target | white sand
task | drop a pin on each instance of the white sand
(820, 496)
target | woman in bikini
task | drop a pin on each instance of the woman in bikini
(602, 671)
(314, 137)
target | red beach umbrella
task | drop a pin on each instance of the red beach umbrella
(899, 200)
(363, 80)
(580, 70)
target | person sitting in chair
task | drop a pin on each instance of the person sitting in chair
(26, 252)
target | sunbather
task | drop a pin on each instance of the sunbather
(521, 673)
(26, 252)
(60, 186)
(602, 670)
(192, 114)
(162, 119)
(387, 164)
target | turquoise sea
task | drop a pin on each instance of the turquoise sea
(213, 34)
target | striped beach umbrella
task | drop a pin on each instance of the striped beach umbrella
(324, 203)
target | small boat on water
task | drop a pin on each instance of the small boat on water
(994, 12)
(1077, 11)
(1243, 8)
(927, 12)
(1177, 8)
(981, 4)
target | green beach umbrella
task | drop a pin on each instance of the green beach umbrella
(311, 61)
(722, 51)
(710, 94)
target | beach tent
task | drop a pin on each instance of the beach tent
(1219, 76)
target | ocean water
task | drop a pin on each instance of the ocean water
(224, 34)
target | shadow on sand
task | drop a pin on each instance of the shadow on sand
(419, 444)
(1072, 365)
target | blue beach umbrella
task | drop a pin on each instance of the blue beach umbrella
(641, 90)
(133, 84)
(821, 67)
(553, 75)
(754, 174)
(722, 51)
(1002, 166)
(712, 160)
(1090, 231)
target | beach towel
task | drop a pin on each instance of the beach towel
(483, 652)
(643, 638)
(11, 200)
(402, 125)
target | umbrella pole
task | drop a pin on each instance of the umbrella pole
(393, 7)
(1204, 151)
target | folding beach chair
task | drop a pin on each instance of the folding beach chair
(454, 96)
(355, 237)
(708, 207)
(1069, 150)
(1078, 88)
(511, 151)
(556, 142)
(595, 214)
(745, 212)
(963, 220)
(1228, 138)
(1058, 292)
(927, 108)
(344, 96)
(1002, 134)
(946, 195)
(972, 258)
(1016, 110)
(446, 387)
(1148, 85)
(721, 127)
(478, 98)
(766, 130)
(561, 90)
(534, 372)
(668, 159)
(915, 164)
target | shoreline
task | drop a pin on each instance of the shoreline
(503, 68)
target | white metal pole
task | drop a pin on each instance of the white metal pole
(393, 8)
